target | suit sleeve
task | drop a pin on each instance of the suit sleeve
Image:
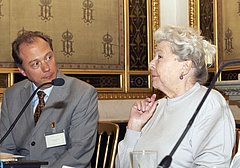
(8, 145)
(82, 132)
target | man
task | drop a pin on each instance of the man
(70, 112)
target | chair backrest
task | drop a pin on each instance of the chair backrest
(108, 133)
(237, 145)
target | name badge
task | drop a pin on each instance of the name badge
(55, 139)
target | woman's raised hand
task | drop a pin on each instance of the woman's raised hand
(141, 112)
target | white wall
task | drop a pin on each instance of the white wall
(114, 109)
(174, 12)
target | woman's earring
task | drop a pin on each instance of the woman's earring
(181, 77)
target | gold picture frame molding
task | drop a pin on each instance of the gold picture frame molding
(194, 21)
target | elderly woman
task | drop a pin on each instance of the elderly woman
(179, 70)
(236, 161)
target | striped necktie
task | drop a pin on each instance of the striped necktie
(40, 106)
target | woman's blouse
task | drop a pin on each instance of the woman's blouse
(208, 143)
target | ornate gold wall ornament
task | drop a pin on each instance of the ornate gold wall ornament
(1, 14)
(20, 32)
(45, 10)
(155, 15)
(67, 43)
(193, 13)
(155, 20)
(107, 96)
(228, 41)
(107, 46)
(238, 8)
(87, 11)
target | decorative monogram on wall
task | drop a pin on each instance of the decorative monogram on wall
(1, 14)
(20, 32)
(87, 11)
(67, 44)
(107, 46)
(228, 41)
(45, 10)
(239, 8)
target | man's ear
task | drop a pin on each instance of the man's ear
(22, 71)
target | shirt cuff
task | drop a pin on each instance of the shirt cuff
(131, 138)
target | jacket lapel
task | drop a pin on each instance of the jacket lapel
(28, 113)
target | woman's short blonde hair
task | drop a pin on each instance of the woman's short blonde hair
(188, 44)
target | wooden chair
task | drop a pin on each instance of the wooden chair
(106, 146)
(237, 145)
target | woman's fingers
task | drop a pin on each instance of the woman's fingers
(141, 112)
(153, 97)
(145, 105)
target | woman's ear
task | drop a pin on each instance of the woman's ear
(187, 65)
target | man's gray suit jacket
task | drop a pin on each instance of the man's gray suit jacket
(73, 108)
